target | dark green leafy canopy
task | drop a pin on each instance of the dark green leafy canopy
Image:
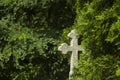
(29, 33)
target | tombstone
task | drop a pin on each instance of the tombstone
(74, 47)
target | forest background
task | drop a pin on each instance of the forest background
(31, 31)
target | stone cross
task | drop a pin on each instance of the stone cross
(74, 47)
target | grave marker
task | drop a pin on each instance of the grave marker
(74, 47)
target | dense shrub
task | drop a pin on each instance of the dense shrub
(29, 33)
(97, 22)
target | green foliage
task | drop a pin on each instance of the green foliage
(97, 22)
(29, 33)
(105, 67)
(24, 56)
(99, 28)
(42, 16)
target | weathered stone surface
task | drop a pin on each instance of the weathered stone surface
(74, 47)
